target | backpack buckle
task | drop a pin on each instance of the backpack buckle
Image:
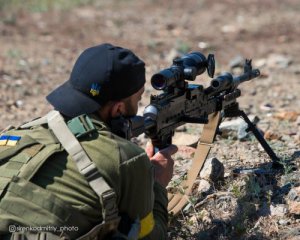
(81, 126)
(109, 207)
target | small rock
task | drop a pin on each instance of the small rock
(278, 61)
(229, 29)
(269, 135)
(266, 107)
(204, 186)
(294, 194)
(212, 170)
(19, 82)
(203, 45)
(278, 210)
(294, 207)
(283, 222)
(19, 103)
(289, 116)
(238, 125)
(294, 200)
(242, 133)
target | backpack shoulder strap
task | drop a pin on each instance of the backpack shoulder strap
(84, 164)
(35, 122)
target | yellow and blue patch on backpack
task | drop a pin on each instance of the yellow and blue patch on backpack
(8, 140)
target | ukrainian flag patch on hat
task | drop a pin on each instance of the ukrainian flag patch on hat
(95, 89)
(6, 140)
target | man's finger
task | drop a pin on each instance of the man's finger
(149, 149)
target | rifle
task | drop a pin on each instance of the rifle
(181, 102)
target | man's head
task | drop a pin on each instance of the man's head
(104, 77)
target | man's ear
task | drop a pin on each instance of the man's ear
(117, 109)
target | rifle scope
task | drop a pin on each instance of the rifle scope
(188, 67)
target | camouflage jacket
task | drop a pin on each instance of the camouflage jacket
(41, 186)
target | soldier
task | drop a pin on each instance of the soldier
(67, 176)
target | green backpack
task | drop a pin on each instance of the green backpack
(22, 152)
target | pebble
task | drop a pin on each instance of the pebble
(266, 107)
(204, 186)
(238, 127)
(203, 45)
(287, 115)
(278, 61)
(294, 200)
(212, 170)
(19, 103)
(278, 210)
(229, 29)
(283, 222)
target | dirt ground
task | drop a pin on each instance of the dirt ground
(38, 50)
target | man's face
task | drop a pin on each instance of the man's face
(131, 103)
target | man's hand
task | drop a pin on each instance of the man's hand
(163, 163)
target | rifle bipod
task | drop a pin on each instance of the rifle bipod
(234, 111)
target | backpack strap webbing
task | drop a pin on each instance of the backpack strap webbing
(85, 166)
(178, 200)
(38, 121)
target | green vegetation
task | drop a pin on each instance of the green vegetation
(40, 5)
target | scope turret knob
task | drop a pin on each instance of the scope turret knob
(177, 61)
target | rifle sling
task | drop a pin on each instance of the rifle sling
(178, 201)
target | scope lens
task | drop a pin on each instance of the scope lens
(215, 83)
(158, 81)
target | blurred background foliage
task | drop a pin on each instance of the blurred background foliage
(14, 6)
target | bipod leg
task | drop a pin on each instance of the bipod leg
(261, 140)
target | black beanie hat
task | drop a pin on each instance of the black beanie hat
(100, 74)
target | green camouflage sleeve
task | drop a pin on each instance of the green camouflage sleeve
(143, 198)
(160, 213)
